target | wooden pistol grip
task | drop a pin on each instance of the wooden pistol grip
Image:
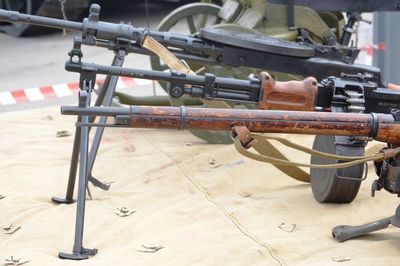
(289, 95)
(392, 86)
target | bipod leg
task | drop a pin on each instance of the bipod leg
(104, 87)
(103, 93)
(345, 232)
(72, 169)
(107, 100)
(79, 252)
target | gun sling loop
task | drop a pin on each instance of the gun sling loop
(242, 137)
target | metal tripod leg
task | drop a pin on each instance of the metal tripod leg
(345, 232)
(103, 96)
(78, 252)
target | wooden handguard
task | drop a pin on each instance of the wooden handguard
(290, 95)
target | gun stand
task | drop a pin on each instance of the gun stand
(80, 151)
(104, 98)
(345, 232)
(87, 81)
(389, 179)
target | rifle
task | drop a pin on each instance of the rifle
(382, 127)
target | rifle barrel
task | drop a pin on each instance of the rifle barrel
(381, 127)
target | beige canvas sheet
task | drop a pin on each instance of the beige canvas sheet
(203, 204)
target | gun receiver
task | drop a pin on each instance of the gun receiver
(307, 60)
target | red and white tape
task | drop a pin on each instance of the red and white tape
(59, 90)
(371, 48)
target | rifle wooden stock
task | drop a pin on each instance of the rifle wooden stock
(381, 127)
(289, 95)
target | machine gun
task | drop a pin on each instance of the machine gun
(211, 46)
(382, 127)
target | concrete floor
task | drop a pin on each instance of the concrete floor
(39, 61)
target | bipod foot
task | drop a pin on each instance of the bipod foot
(83, 255)
(62, 200)
(98, 183)
(345, 232)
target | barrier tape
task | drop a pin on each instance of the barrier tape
(59, 90)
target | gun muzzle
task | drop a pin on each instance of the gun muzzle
(14, 16)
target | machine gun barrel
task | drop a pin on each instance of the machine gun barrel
(381, 127)
(14, 16)
(221, 88)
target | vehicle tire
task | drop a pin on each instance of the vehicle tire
(326, 184)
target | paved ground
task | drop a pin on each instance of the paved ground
(39, 61)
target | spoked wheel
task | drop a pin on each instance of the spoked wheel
(187, 19)
(23, 6)
(336, 185)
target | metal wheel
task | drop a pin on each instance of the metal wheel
(326, 184)
(187, 19)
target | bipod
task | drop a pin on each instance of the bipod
(105, 95)
(345, 232)
(88, 79)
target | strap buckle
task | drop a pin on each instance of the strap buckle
(244, 134)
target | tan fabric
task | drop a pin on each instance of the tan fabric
(234, 220)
